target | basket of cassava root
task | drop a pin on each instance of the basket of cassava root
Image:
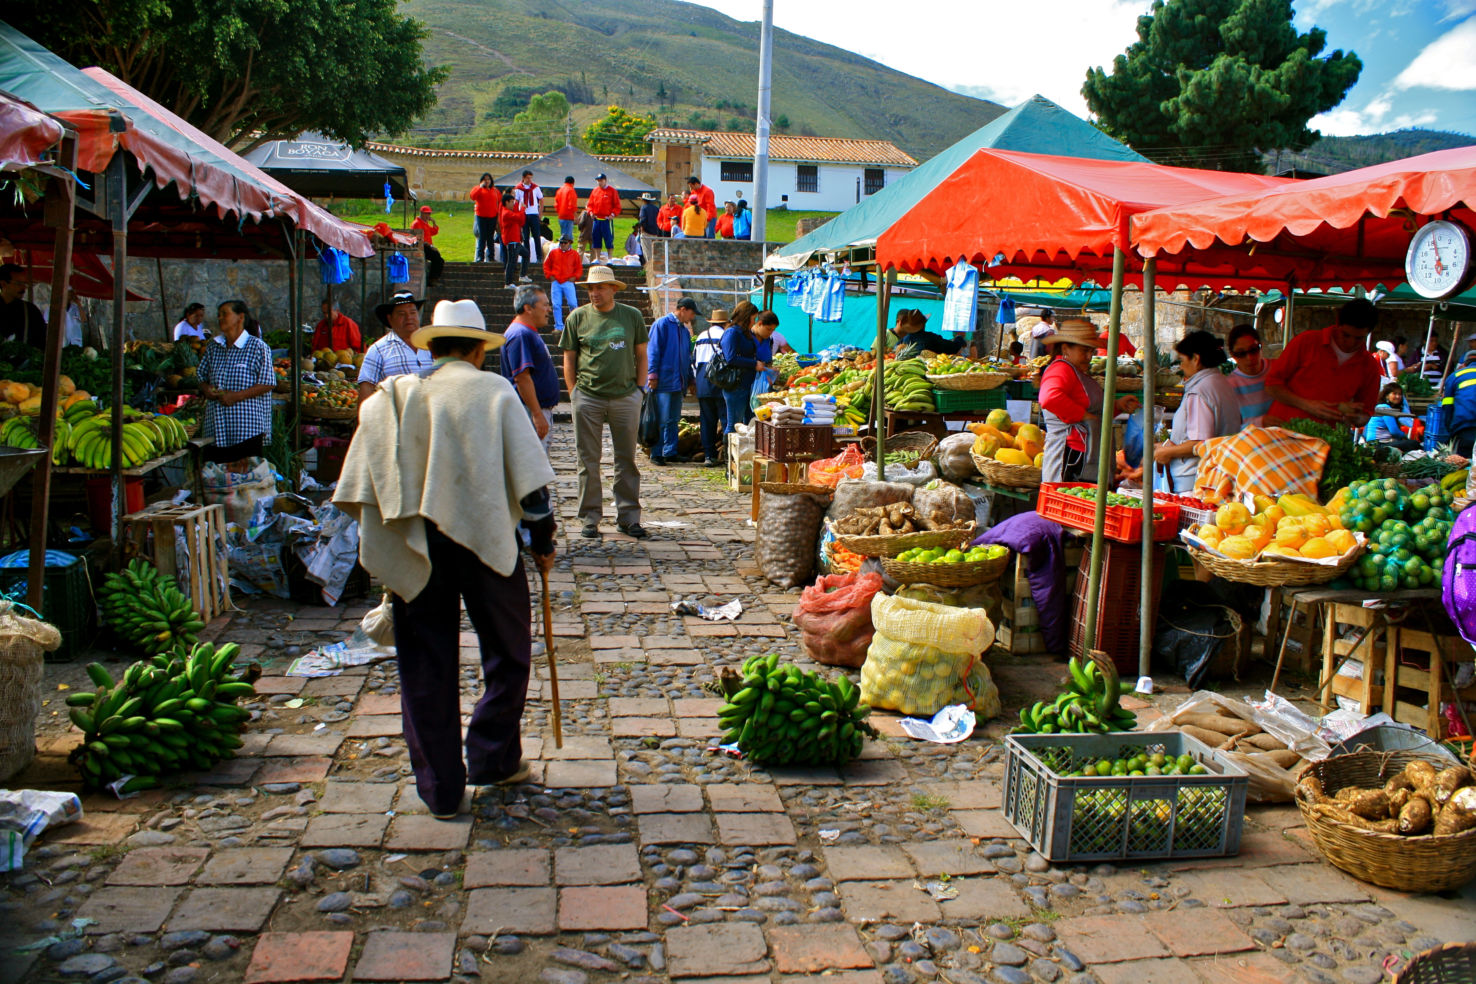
(1398, 819)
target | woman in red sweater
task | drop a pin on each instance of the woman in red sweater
(1071, 403)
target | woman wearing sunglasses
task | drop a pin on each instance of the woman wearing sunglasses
(1249, 375)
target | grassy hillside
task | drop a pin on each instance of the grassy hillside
(675, 61)
(1333, 155)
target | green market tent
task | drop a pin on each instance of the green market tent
(1036, 126)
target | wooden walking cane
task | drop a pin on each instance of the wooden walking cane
(553, 669)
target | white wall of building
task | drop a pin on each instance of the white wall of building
(839, 186)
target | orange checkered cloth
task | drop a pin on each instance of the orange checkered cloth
(1269, 461)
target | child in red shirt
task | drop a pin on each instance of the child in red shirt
(511, 224)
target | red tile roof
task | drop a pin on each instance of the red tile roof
(716, 143)
(491, 155)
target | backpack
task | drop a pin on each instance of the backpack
(1458, 581)
(722, 374)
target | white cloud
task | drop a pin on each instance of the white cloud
(994, 49)
(1448, 62)
(1456, 9)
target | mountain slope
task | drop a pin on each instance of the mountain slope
(1333, 155)
(672, 59)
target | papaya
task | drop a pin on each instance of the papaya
(985, 446)
(1237, 548)
(1031, 433)
(1232, 517)
(1010, 456)
(998, 419)
(64, 386)
(1030, 448)
(31, 405)
(1005, 441)
(1039, 460)
(1014, 429)
(16, 393)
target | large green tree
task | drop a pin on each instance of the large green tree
(249, 71)
(1208, 83)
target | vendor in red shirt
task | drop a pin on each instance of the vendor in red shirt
(1071, 403)
(1125, 345)
(336, 331)
(487, 202)
(426, 225)
(1328, 375)
(669, 215)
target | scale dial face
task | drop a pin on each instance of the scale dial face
(1438, 262)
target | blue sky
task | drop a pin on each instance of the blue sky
(1419, 56)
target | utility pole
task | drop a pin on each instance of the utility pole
(761, 136)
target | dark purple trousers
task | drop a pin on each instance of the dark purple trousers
(427, 644)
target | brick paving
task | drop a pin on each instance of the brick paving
(636, 852)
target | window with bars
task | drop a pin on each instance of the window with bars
(807, 177)
(875, 180)
(737, 171)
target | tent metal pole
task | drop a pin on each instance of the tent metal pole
(1105, 456)
(1286, 315)
(294, 407)
(363, 291)
(1150, 368)
(1429, 334)
(61, 213)
(761, 125)
(117, 181)
(879, 398)
(163, 301)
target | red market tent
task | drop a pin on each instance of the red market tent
(1339, 231)
(1036, 215)
(26, 133)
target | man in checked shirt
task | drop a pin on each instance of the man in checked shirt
(393, 355)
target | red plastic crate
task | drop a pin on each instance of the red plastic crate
(793, 442)
(1123, 524)
(1118, 602)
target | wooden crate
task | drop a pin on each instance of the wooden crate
(1018, 631)
(151, 534)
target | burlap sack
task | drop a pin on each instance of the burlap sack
(22, 666)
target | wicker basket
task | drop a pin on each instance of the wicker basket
(890, 545)
(970, 380)
(1453, 963)
(329, 413)
(962, 575)
(1013, 476)
(920, 441)
(1409, 864)
(795, 488)
(1273, 573)
(1124, 384)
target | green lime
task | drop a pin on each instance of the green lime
(1185, 762)
(1198, 770)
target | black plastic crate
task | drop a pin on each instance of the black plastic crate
(66, 602)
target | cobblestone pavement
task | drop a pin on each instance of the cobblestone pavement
(634, 853)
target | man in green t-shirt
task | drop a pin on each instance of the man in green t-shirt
(603, 343)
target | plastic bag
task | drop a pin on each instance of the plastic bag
(24, 813)
(954, 461)
(830, 471)
(763, 385)
(648, 435)
(238, 491)
(834, 618)
(788, 525)
(854, 493)
(919, 474)
(924, 657)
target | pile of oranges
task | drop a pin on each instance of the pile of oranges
(1297, 528)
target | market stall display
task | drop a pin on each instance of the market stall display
(1073, 504)
(1008, 452)
(779, 715)
(160, 716)
(953, 568)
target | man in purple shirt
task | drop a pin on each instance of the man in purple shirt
(526, 363)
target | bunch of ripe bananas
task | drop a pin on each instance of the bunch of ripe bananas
(905, 384)
(147, 609)
(784, 716)
(145, 437)
(1090, 704)
(162, 715)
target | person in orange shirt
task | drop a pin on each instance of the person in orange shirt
(707, 201)
(336, 331)
(603, 205)
(487, 202)
(562, 267)
(513, 253)
(428, 231)
(566, 207)
(694, 219)
(669, 215)
(725, 221)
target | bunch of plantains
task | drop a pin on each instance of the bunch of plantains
(147, 610)
(780, 715)
(162, 715)
(1089, 704)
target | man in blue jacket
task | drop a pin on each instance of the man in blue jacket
(1460, 396)
(669, 357)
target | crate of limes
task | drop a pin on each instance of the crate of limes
(1100, 797)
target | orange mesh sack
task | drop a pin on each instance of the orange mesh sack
(834, 618)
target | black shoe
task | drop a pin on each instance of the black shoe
(591, 531)
(712, 463)
(634, 529)
(657, 461)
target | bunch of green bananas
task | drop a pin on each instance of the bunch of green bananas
(906, 387)
(784, 716)
(162, 715)
(20, 432)
(144, 438)
(147, 609)
(1089, 704)
(847, 415)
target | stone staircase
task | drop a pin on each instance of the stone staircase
(483, 283)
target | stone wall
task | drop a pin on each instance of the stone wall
(434, 177)
(701, 269)
(263, 284)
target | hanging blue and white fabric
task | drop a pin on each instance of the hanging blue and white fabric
(794, 291)
(814, 292)
(833, 299)
(397, 268)
(334, 265)
(389, 198)
(1006, 313)
(961, 303)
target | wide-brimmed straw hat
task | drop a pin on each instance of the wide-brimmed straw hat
(457, 319)
(382, 311)
(1077, 331)
(601, 275)
(719, 316)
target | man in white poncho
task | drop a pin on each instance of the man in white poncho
(442, 469)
